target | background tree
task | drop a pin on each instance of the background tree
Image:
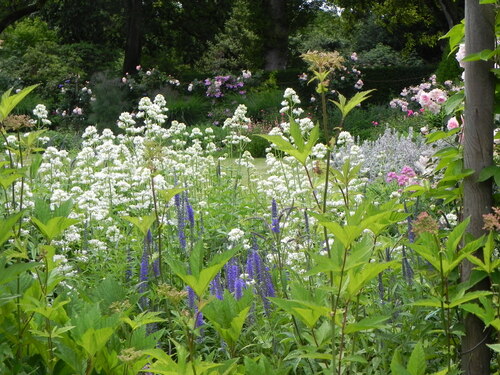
(478, 154)
(413, 25)
(14, 10)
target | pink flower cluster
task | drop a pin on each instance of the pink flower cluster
(426, 96)
(219, 85)
(431, 100)
(405, 177)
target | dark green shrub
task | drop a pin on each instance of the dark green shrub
(110, 101)
(448, 68)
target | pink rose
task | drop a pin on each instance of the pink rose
(452, 123)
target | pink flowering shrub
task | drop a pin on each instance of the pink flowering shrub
(428, 96)
(404, 178)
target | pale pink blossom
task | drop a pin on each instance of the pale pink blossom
(452, 123)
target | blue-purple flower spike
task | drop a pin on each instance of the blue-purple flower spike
(216, 287)
(275, 223)
(239, 285)
(232, 273)
(189, 213)
(179, 204)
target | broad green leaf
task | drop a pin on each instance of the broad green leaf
(455, 35)
(93, 340)
(54, 227)
(488, 172)
(436, 136)
(495, 347)
(307, 312)
(143, 318)
(8, 102)
(168, 194)
(10, 272)
(347, 106)
(7, 180)
(359, 278)
(6, 226)
(397, 367)
(142, 223)
(457, 301)
(453, 102)
(355, 358)
(430, 302)
(199, 283)
(484, 55)
(296, 135)
(416, 363)
(279, 141)
(229, 315)
(368, 324)
(345, 234)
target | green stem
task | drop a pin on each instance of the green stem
(342, 338)
(157, 215)
(443, 312)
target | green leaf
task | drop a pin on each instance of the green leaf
(229, 315)
(200, 282)
(397, 367)
(93, 340)
(455, 35)
(495, 347)
(143, 318)
(488, 172)
(168, 194)
(10, 272)
(453, 102)
(347, 106)
(430, 302)
(296, 135)
(307, 312)
(416, 363)
(9, 102)
(54, 227)
(457, 301)
(359, 278)
(368, 324)
(345, 234)
(142, 223)
(6, 226)
(436, 136)
(484, 55)
(279, 141)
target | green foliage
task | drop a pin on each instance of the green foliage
(9, 101)
(236, 47)
(228, 316)
(111, 100)
(382, 56)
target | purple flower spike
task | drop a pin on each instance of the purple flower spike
(216, 287)
(275, 224)
(239, 285)
(189, 213)
(191, 297)
(232, 273)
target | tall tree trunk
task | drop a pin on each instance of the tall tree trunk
(478, 154)
(133, 44)
(276, 44)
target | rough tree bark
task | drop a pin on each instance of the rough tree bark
(133, 44)
(276, 44)
(478, 154)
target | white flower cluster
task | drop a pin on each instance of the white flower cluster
(237, 125)
(235, 235)
(41, 113)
